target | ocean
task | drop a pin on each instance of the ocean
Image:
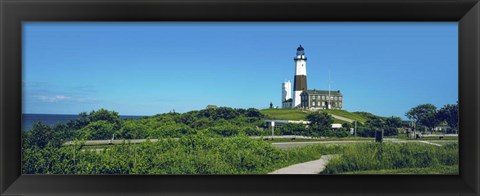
(52, 119)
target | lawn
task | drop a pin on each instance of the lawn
(285, 114)
(395, 158)
(296, 114)
(347, 114)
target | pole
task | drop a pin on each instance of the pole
(273, 126)
(355, 131)
(272, 132)
(329, 81)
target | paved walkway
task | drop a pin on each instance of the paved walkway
(311, 167)
(287, 145)
(342, 118)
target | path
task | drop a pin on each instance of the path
(342, 118)
(311, 167)
(287, 145)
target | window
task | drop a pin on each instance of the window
(313, 103)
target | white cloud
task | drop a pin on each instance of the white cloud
(52, 99)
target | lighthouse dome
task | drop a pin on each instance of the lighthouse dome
(300, 48)
(300, 51)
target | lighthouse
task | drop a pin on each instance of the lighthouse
(300, 81)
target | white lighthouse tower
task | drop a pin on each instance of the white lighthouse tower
(300, 81)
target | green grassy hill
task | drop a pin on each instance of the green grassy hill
(285, 114)
(296, 114)
(346, 114)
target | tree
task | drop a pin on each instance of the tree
(391, 126)
(105, 115)
(293, 129)
(82, 121)
(133, 130)
(320, 122)
(40, 135)
(61, 134)
(375, 123)
(425, 114)
(252, 112)
(430, 121)
(394, 122)
(449, 114)
(98, 130)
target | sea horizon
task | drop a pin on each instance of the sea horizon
(29, 119)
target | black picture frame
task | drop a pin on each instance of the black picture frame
(13, 12)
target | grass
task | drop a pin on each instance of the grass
(339, 121)
(308, 153)
(346, 114)
(320, 139)
(296, 114)
(444, 169)
(436, 138)
(364, 158)
(393, 156)
(206, 156)
(285, 114)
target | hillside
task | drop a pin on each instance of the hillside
(347, 114)
(285, 114)
(294, 114)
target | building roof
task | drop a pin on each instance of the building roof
(288, 100)
(323, 92)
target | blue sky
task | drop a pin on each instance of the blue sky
(150, 68)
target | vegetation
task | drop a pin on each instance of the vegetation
(191, 154)
(215, 141)
(346, 114)
(449, 114)
(320, 126)
(425, 114)
(392, 156)
(297, 114)
(444, 169)
(104, 124)
(285, 114)
(389, 126)
(428, 116)
(276, 140)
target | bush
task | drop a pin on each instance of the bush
(192, 154)
(390, 131)
(133, 130)
(293, 129)
(97, 130)
(225, 130)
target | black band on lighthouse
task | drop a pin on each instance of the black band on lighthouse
(300, 83)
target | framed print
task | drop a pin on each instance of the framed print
(239, 97)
